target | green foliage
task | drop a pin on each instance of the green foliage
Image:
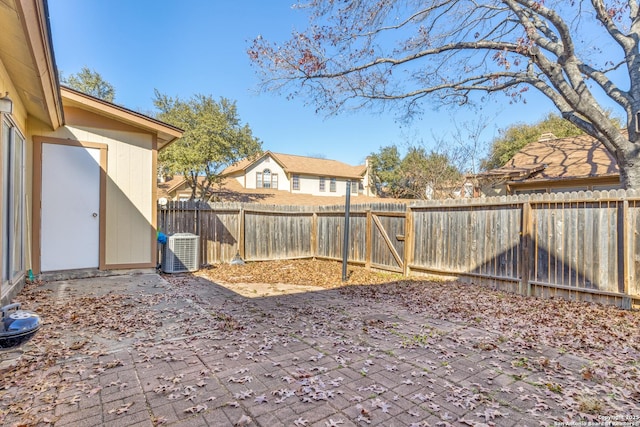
(515, 137)
(213, 138)
(384, 169)
(412, 176)
(424, 172)
(91, 82)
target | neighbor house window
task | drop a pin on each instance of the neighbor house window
(266, 179)
(354, 187)
(332, 185)
(322, 184)
(296, 182)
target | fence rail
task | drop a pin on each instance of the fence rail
(581, 246)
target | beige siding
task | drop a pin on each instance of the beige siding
(129, 204)
(19, 112)
(129, 208)
(311, 185)
(19, 117)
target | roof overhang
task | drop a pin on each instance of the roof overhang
(566, 181)
(27, 54)
(165, 133)
(521, 173)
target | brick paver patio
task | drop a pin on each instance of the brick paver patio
(195, 353)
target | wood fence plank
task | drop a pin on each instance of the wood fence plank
(579, 245)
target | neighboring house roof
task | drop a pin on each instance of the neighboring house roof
(232, 191)
(177, 182)
(293, 164)
(558, 159)
(27, 54)
(165, 133)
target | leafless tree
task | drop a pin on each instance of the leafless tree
(581, 54)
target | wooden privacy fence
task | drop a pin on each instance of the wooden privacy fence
(581, 246)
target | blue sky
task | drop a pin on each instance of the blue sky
(192, 47)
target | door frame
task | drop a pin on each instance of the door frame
(36, 210)
(7, 205)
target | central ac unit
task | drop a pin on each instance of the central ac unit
(181, 253)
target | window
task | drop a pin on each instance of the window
(322, 185)
(332, 185)
(296, 182)
(354, 187)
(12, 203)
(266, 179)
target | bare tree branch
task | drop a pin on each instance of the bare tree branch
(374, 53)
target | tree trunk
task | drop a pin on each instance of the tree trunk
(630, 168)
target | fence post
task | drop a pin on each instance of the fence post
(367, 237)
(197, 220)
(314, 234)
(525, 249)
(241, 214)
(625, 257)
(345, 240)
(408, 242)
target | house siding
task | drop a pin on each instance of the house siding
(10, 287)
(271, 164)
(311, 185)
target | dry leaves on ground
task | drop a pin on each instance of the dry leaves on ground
(582, 327)
(306, 272)
(77, 326)
(608, 336)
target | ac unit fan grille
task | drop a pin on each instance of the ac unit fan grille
(181, 253)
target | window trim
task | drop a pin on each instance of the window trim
(12, 217)
(260, 179)
(266, 173)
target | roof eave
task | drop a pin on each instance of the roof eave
(41, 96)
(166, 133)
(604, 177)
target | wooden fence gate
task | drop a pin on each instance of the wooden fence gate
(386, 237)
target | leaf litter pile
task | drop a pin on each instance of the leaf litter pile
(326, 274)
(375, 348)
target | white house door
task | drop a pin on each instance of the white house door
(70, 209)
